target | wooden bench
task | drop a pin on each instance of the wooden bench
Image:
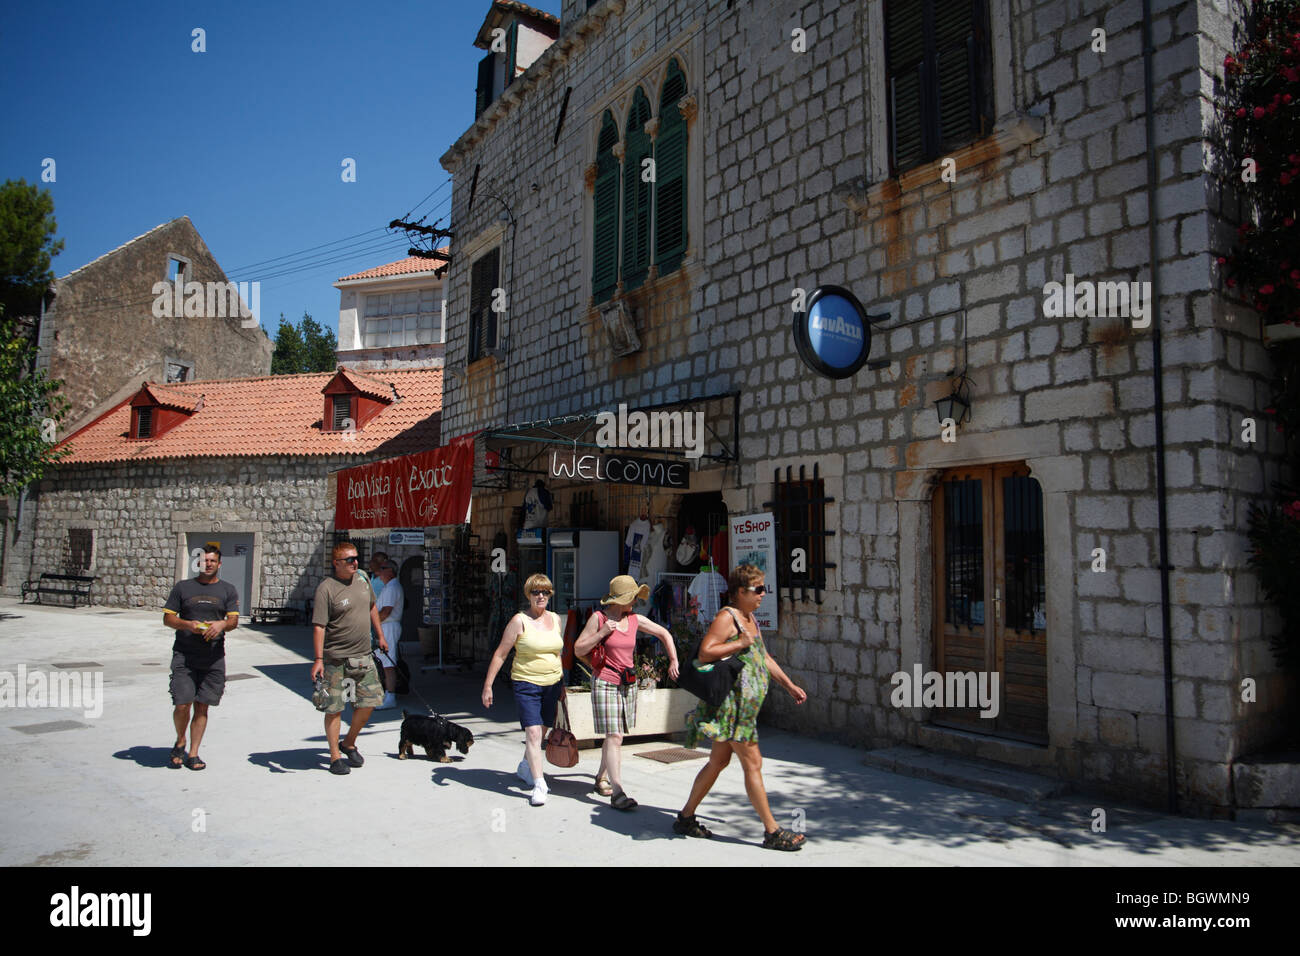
(77, 586)
(275, 615)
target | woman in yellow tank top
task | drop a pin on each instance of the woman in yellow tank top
(537, 639)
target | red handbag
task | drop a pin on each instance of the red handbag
(561, 745)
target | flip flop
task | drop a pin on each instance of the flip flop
(195, 763)
(176, 759)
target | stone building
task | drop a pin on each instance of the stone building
(947, 164)
(112, 325)
(249, 463)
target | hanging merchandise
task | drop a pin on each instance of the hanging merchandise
(634, 546)
(688, 552)
(709, 588)
(537, 506)
(655, 558)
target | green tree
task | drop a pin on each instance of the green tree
(319, 346)
(30, 411)
(288, 356)
(27, 245)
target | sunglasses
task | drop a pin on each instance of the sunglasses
(540, 593)
(761, 589)
(351, 560)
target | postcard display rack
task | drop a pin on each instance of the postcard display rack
(456, 603)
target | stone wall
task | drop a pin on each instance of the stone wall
(103, 339)
(796, 193)
(140, 512)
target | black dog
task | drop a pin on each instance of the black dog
(435, 734)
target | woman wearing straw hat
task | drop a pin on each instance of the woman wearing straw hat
(613, 685)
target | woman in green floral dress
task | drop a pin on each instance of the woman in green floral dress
(732, 726)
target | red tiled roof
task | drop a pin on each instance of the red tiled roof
(172, 397)
(366, 385)
(401, 267)
(275, 415)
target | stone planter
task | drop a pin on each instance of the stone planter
(658, 711)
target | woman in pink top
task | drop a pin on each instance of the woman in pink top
(613, 686)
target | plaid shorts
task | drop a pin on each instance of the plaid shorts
(613, 707)
(356, 683)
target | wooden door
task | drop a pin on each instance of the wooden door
(990, 595)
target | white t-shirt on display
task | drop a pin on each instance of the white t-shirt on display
(637, 533)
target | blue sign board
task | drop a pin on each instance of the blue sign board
(832, 334)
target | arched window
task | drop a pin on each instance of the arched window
(670, 174)
(636, 194)
(604, 273)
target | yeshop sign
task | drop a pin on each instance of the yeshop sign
(417, 491)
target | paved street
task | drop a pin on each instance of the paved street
(96, 790)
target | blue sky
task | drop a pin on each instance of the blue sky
(247, 138)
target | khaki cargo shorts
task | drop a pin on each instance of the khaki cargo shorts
(354, 681)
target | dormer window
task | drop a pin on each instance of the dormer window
(353, 399)
(514, 39)
(157, 409)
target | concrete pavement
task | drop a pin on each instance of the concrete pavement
(95, 790)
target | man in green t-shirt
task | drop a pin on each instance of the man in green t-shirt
(342, 616)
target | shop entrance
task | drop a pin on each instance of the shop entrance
(990, 595)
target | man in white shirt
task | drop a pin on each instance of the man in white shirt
(389, 605)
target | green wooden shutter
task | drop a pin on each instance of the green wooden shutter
(636, 195)
(670, 173)
(604, 259)
(483, 95)
(905, 59)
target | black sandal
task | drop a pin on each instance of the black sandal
(176, 759)
(621, 801)
(195, 763)
(783, 839)
(691, 826)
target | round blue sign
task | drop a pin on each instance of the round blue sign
(833, 335)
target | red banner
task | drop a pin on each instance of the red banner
(417, 491)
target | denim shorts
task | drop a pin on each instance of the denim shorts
(537, 705)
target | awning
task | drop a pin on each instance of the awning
(424, 490)
(519, 448)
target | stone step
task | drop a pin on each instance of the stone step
(967, 773)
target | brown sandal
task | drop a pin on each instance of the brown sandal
(603, 787)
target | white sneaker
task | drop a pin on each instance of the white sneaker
(538, 797)
(390, 701)
(524, 773)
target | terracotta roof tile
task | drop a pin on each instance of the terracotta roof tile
(172, 397)
(368, 385)
(275, 415)
(401, 267)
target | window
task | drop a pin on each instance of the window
(496, 71)
(178, 268)
(800, 509)
(400, 318)
(938, 66)
(484, 279)
(342, 412)
(179, 371)
(81, 543)
(639, 219)
(144, 421)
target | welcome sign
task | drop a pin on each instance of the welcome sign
(417, 491)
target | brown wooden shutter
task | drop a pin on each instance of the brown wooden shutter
(905, 63)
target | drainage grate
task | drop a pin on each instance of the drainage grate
(230, 677)
(78, 664)
(151, 664)
(110, 612)
(674, 754)
(51, 727)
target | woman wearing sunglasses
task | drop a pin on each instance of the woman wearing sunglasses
(732, 726)
(537, 677)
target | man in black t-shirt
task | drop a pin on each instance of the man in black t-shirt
(202, 610)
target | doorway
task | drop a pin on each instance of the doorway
(236, 561)
(990, 610)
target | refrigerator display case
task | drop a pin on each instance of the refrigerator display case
(580, 564)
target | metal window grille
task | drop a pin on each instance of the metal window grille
(144, 422)
(800, 509)
(81, 543)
